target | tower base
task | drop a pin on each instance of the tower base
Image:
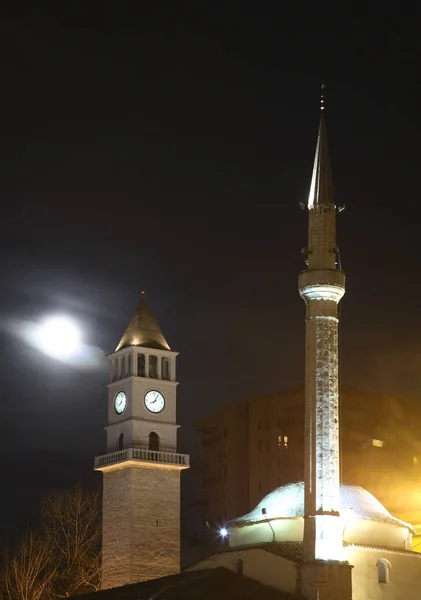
(324, 580)
(140, 523)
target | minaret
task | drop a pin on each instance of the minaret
(322, 286)
(141, 469)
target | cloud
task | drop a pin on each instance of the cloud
(85, 357)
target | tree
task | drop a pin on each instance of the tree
(72, 525)
(29, 572)
(65, 558)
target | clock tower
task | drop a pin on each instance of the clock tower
(141, 469)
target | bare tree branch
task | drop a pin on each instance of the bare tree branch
(66, 558)
(72, 524)
(29, 572)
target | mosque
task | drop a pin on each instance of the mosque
(317, 539)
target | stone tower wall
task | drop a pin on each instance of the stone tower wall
(141, 524)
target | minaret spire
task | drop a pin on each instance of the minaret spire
(321, 286)
(321, 187)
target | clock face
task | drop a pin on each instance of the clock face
(154, 401)
(120, 402)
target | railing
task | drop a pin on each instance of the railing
(161, 456)
(161, 448)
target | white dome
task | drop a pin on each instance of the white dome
(288, 502)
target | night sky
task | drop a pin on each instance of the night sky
(167, 151)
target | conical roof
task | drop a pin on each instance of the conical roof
(143, 330)
(321, 187)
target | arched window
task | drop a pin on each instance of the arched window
(153, 441)
(114, 365)
(141, 365)
(383, 570)
(239, 565)
(153, 366)
(121, 441)
(165, 368)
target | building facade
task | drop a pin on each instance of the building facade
(225, 471)
(258, 445)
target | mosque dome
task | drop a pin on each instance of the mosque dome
(287, 501)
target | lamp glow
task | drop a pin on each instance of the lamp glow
(223, 532)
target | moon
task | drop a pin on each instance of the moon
(59, 337)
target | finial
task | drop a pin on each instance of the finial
(322, 98)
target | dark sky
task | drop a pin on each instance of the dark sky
(168, 151)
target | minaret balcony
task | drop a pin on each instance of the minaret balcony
(327, 284)
(142, 457)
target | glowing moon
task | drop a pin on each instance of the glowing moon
(59, 337)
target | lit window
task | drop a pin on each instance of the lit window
(283, 441)
(377, 443)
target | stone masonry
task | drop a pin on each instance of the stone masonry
(322, 286)
(141, 524)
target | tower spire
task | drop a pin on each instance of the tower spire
(321, 187)
(322, 286)
(143, 329)
(322, 98)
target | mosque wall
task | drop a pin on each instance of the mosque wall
(376, 574)
(277, 530)
(403, 572)
(270, 569)
(372, 533)
(356, 531)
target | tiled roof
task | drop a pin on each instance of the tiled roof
(383, 549)
(209, 584)
(289, 550)
(293, 550)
